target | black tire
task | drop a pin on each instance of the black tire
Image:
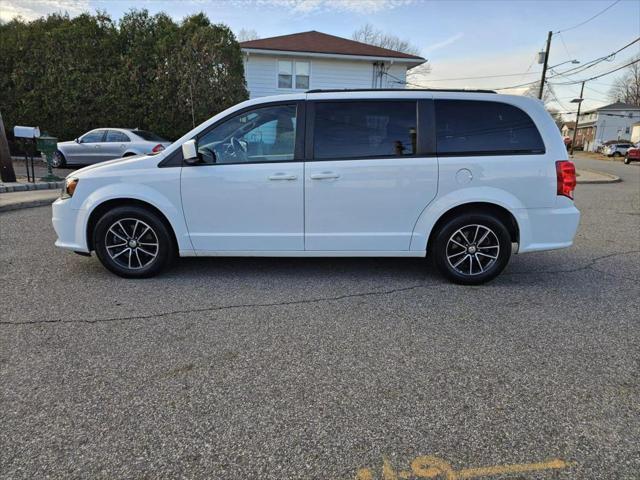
(616, 154)
(449, 247)
(118, 226)
(626, 160)
(58, 160)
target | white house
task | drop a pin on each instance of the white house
(315, 60)
(635, 132)
(611, 122)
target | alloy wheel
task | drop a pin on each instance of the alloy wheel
(472, 249)
(131, 243)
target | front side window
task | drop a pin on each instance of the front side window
(93, 137)
(293, 74)
(467, 127)
(116, 137)
(364, 129)
(262, 135)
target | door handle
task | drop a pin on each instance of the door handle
(97, 146)
(282, 176)
(324, 176)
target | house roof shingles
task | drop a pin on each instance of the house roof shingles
(318, 42)
(614, 106)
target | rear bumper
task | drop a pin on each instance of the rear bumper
(68, 226)
(547, 228)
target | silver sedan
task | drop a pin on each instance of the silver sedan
(104, 144)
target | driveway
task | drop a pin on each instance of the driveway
(325, 368)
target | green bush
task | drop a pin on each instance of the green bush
(69, 75)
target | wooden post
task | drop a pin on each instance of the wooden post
(575, 130)
(6, 166)
(544, 67)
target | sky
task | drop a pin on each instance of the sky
(459, 38)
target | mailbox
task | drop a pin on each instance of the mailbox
(26, 132)
(47, 145)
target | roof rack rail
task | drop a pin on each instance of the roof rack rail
(334, 90)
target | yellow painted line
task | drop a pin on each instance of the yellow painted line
(555, 464)
(364, 474)
(432, 467)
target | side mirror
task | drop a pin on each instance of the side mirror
(77, 140)
(190, 152)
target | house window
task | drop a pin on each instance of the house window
(302, 75)
(293, 74)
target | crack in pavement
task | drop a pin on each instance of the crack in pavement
(214, 308)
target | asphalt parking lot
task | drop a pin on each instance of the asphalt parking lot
(325, 368)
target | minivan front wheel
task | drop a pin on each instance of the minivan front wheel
(132, 242)
(471, 249)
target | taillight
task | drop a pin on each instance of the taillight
(566, 175)
(157, 148)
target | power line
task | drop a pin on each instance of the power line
(485, 76)
(596, 61)
(588, 19)
(566, 73)
(601, 75)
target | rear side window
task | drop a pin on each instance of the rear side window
(148, 136)
(345, 130)
(115, 136)
(467, 127)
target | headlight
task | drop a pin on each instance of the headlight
(69, 187)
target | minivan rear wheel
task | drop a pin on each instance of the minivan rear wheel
(472, 248)
(132, 242)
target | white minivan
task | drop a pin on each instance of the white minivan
(459, 176)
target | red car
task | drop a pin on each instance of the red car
(633, 154)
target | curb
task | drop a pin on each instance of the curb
(608, 177)
(27, 187)
(29, 204)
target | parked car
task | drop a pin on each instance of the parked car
(633, 154)
(104, 144)
(616, 149)
(460, 176)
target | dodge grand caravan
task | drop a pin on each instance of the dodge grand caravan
(464, 178)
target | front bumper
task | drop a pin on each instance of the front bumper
(68, 222)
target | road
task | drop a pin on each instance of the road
(325, 368)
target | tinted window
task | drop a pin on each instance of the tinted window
(93, 137)
(262, 135)
(364, 129)
(115, 136)
(473, 127)
(148, 136)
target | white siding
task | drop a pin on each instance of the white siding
(262, 78)
(613, 126)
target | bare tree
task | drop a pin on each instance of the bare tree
(369, 34)
(627, 88)
(244, 35)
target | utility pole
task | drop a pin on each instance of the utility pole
(6, 167)
(575, 130)
(546, 62)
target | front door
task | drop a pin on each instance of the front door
(87, 149)
(366, 184)
(246, 191)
